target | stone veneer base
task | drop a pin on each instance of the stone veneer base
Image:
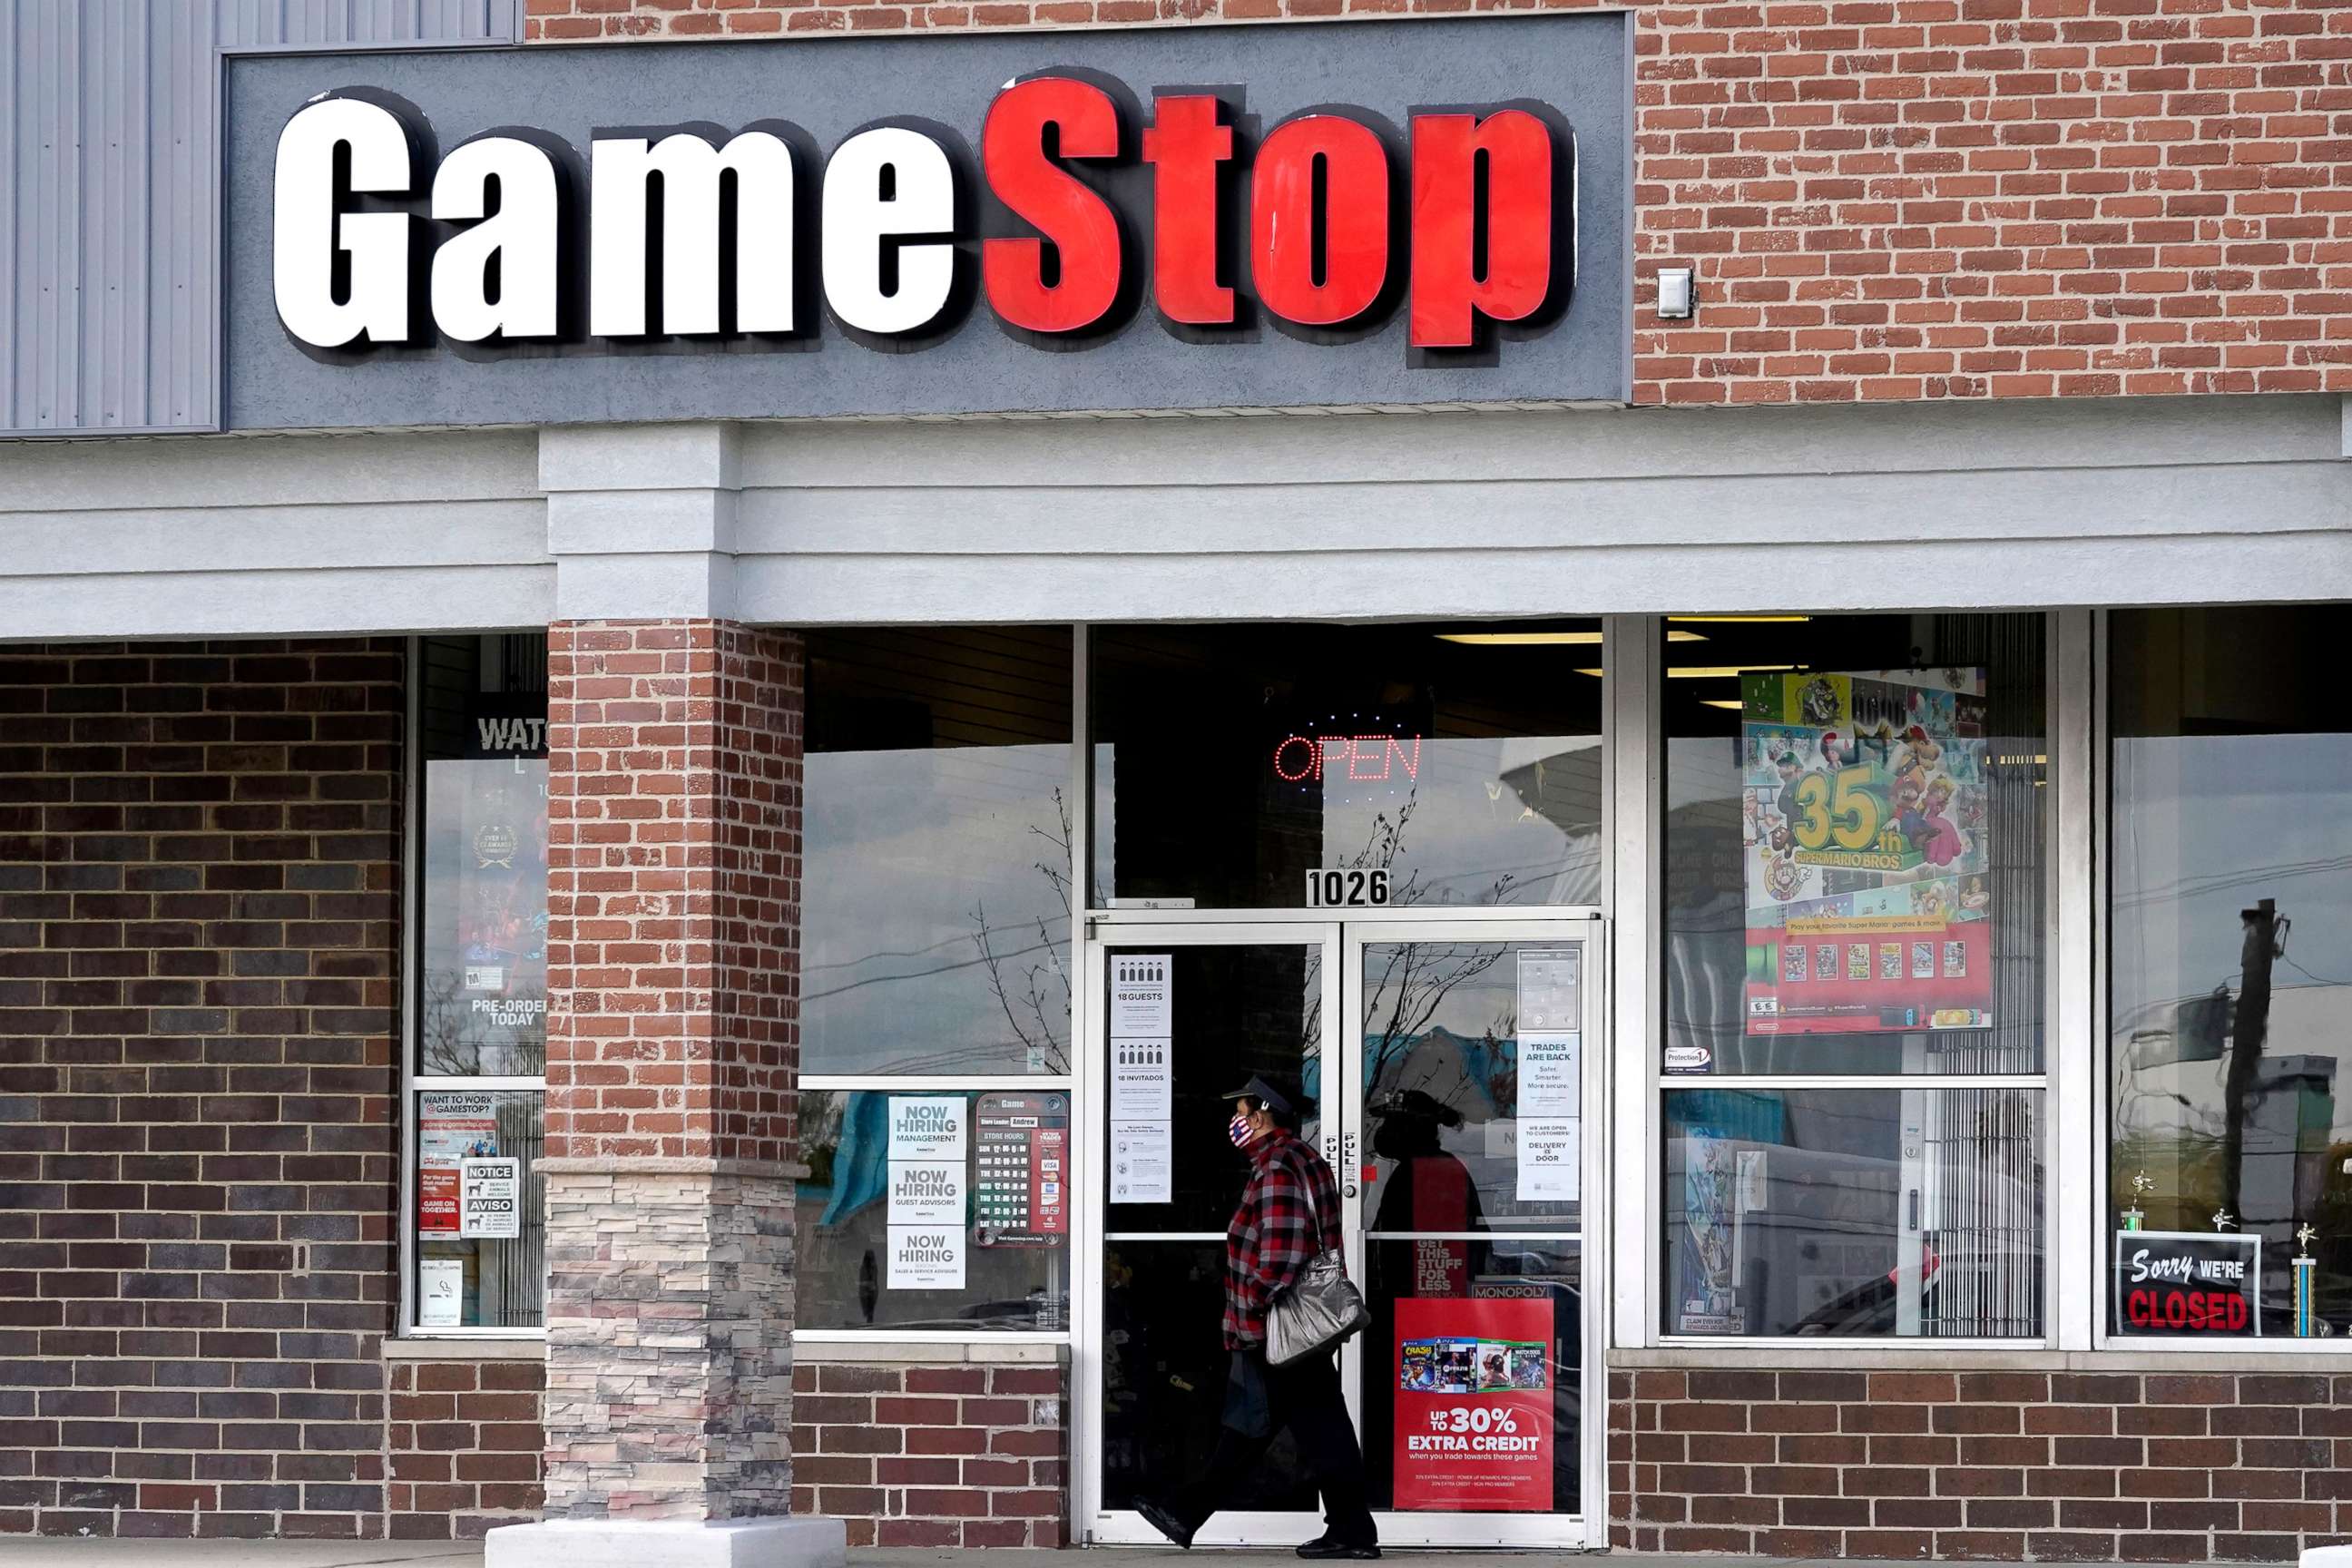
(668, 1543)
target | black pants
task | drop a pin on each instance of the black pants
(1304, 1397)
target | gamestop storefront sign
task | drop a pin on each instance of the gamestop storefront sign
(1430, 212)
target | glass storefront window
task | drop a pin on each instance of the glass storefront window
(934, 1209)
(1462, 763)
(1868, 1211)
(477, 1211)
(2230, 973)
(936, 892)
(1855, 861)
(481, 1218)
(1446, 1088)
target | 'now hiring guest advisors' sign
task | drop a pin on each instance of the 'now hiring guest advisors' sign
(1420, 212)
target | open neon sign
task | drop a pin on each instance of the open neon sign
(1361, 758)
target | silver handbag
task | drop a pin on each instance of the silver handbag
(1319, 1310)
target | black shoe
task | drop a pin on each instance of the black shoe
(1323, 1546)
(1159, 1517)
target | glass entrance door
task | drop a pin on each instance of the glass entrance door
(1185, 1014)
(1473, 1049)
(1446, 1066)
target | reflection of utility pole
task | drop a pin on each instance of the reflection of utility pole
(2246, 1040)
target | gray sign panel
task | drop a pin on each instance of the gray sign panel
(1575, 68)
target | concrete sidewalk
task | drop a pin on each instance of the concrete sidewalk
(29, 1551)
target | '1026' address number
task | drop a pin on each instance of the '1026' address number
(1347, 890)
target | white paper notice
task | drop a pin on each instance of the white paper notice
(1549, 997)
(1142, 1096)
(927, 1192)
(1140, 990)
(1141, 1168)
(926, 1257)
(489, 1199)
(1551, 1157)
(1548, 1087)
(1751, 1184)
(928, 1126)
(440, 1292)
(1140, 1088)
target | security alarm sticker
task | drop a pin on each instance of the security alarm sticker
(489, 1199)
(926, 1257)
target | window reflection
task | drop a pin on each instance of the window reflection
(1928, 924)
(1013, 1274)
(1856, 1212)
(1231, 760)
(2231, 964)
(937, 892)
(484, 970)
(1448, 1073)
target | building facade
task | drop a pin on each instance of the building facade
(678, 683)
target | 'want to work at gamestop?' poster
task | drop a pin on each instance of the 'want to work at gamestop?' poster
(1863, 823)
(1473, 1408)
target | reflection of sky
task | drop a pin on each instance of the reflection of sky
(2204, 827)
(1469, 830)
(905, 851)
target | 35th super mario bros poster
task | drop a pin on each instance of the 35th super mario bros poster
(1863, 828)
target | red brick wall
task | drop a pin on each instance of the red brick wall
(1936, 198)
(197, 960)
(464, 1440)
(934, 1455)
(669, 739)
(2071, 1466)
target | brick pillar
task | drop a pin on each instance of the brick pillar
(672, 1058)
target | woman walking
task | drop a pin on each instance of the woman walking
(1288, 1209)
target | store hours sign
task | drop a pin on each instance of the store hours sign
(1189, 217)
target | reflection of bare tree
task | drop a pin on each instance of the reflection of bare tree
(1414, 976)
(1035, 997)
(448, 1043)
(1414, 980)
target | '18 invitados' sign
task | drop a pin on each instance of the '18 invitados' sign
(1460, 218)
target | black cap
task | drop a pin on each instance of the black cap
(1266, 1094)
(1414, 1104)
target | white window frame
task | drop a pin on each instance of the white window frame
(2096, 1243)
(412, 1081)
(1638, 785)
(1081, 788)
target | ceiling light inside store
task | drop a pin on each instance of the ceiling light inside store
(1732, 702)
(1719, 672)
(1543, 639)
(1737, 620)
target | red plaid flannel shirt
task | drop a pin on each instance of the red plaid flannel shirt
(1290, 1204)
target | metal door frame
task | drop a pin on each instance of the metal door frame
(1094, 1525)
(1343, 934)
(1588, 1527)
